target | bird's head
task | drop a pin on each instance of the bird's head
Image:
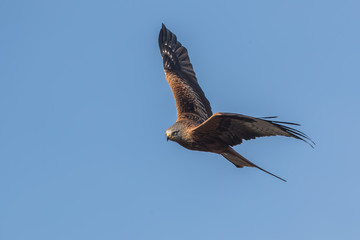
(174, 133)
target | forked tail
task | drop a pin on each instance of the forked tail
(240, 161)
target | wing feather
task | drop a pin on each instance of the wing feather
(190, 99)
(232, 129)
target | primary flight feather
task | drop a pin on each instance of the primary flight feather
(196, 127)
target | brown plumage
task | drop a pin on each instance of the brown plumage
(196, 128)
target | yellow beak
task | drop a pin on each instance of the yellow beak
(168, 136)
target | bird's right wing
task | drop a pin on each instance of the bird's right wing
(232, 129)
(190, 100)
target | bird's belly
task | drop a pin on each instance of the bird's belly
(209, 146)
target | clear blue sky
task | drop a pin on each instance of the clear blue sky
(84, 107)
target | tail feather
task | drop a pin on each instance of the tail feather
(239, 161)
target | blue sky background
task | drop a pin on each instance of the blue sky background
(84, 106)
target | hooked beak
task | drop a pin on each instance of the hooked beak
(167, 136)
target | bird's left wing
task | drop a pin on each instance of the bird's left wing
(190, 99)
(232, 128)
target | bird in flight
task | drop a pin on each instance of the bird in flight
(196, 127)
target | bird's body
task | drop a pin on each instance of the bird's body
(196, 127)
(190, 140)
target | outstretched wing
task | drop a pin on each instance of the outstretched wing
(232, 128)
(190, 99)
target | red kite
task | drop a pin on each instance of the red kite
(196, 127)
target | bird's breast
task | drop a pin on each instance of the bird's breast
(205, 144)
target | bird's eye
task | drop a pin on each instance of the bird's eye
(174, 133)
